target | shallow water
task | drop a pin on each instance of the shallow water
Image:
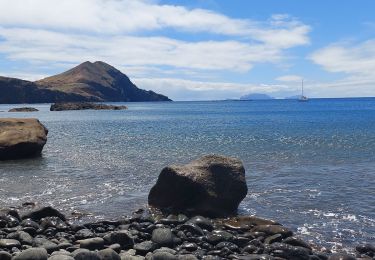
(308, 165)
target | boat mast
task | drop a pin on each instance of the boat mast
(302, 89)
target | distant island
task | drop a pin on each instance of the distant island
(87, 82)
(256, 96)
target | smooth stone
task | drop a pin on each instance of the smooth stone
(144, 247)
(32, 254)
(116, 247)
(163, 256)
(273, 239)
(61, 252)
(92, 243)
(126, 256)
(201, 222)
(21, 236)
(192, 228)
(162, 237)
(256, 257)
(341, 257)
(246, 222)
(273, 230)
(9, 243)
(189, 246)
(5, 255)
(84, 234)
(294, 241)
(108, 254)
(60, 257)
(122, 237)
(85, 254)
(288, 252)
(218, 236)
(187, 257)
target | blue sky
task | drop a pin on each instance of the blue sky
(199, 49)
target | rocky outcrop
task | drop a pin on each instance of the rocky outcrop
(21, 138)
(84, 106)
(212, 185)
(23, 109)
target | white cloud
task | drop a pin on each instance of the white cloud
(289, 78)
(356, 59)
(179, 89)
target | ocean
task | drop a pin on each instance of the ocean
(309, 165)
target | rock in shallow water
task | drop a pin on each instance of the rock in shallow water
(212, 186)
(21, 138)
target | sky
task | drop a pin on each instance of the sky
(199, 49)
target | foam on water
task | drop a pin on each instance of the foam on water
(309, 166)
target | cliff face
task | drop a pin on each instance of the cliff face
(88, 81)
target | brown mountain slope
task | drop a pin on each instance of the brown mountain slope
(98, 81)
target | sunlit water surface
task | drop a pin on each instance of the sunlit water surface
(310, 166)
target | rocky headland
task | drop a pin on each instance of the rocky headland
(21, 138)
(87, 82)
(176, 230)
(84, 106)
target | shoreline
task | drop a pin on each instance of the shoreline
(148, 234)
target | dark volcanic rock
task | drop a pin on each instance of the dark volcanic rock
(23, 109)
(44, 212)
(84, 106)
(212, 185)
(162, 237)
(32, 254)
(21, 138)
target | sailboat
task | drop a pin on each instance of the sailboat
(303, 98)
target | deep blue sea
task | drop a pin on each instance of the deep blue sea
(310, 165)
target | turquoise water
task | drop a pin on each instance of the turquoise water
(309, 165)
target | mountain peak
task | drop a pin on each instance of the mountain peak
(98, 81)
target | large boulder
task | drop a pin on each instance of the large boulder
(212, 185)
(21, 138)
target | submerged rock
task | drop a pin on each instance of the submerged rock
(21, 138)
(84, 106)
(211, 186)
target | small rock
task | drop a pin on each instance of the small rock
(122, 237)
(9, 243)
(85, 254)
(32, 254)
(341, 257)
(84, 234)
(163, 256)
(273, 230)
(44, 212)
(108, 254)
(162, 237)
(144, 247)
(60, 257)
(5, 255)
(201, 222)
(92, 243)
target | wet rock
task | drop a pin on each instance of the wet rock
(341, 257)
(212, 185)
(218, 236)
(44, 212)
(5, 255)
(108, 254)
(9, 243)
(92, 243)
(30, 223)
(367, 249)
(257, 257)
(163, 237)
(21, 138)
(122, 237)
(85, 254)
(21, 236)
(273, 230)
(246, 222)
(191, 227)
(202, 222)
(273, 239)
(144, 247)
(187, 257)
(84, 234)
(163, 256)
(288, 252)
(32, 254)
(294, 241)
(60, 257)
(54, 222)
